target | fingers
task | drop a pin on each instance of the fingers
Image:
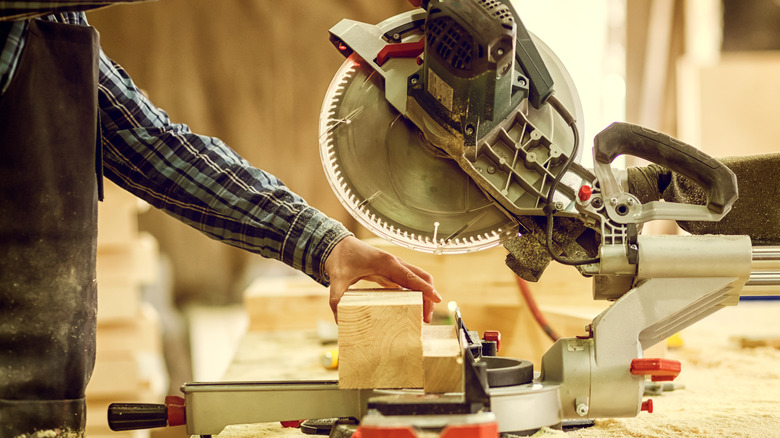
(352, 260)
(414, 278)
(424, 282)
(427, 311)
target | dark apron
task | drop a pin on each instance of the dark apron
(48, 229)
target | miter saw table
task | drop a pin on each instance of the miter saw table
(452, 129)
(729, 391)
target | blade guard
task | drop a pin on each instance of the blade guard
(717, 180)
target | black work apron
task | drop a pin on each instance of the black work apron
(48, 229)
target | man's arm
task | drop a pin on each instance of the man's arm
(204, 183)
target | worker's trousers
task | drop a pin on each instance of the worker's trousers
(48, 213)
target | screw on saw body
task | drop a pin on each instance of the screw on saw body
(582, 409)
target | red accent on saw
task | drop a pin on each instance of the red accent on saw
(647, 406)
(485, 430)
(291, 423)
(384, 432)
(660, 370)
(584, 193)
(400, 50)
(493, 335)
(416, 3)
(177, 414)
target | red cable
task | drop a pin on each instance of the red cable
(537, 314)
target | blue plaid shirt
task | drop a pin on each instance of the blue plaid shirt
(197, 179)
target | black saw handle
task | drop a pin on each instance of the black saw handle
(132, 416)
(717, 180)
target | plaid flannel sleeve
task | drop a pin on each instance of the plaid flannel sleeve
(205, 184)
(13, 10)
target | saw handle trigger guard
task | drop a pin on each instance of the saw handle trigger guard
(714, 177)
(717, 180)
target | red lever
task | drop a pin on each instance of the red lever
(177, 414)
(661, 370)
(291, 424)
(400, 50)
(493, 335)
(647, 406)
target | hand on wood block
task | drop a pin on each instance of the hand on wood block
(352, 260)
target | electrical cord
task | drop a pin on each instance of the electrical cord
(558, 106)
(535, 312)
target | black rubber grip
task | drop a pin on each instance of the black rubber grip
(717, 180)
(132, 416)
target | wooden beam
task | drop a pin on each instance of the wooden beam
(442, 359)
(380, 339)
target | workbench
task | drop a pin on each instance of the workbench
(729, 390)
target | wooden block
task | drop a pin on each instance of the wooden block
(117, 303)
(286, 304)
(380, 339)
(117, 216)
(115, 376)
(442, 359)
(133, 263)
(127, 375)
(141, 333)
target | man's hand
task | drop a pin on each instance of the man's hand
(352, 260)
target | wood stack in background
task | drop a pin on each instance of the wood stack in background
(129, 365)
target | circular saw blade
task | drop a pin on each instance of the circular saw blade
(394, 182)
(399, 186)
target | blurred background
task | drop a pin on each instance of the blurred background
(254, 72)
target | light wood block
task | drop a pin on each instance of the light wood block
(442, 359)
(286, 304)
(133, 263)
(141, 333)
(117, 216)
(380, 339)
(117, 304)
(127, 375)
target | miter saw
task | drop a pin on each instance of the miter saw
(451, 129)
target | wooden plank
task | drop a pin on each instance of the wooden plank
(380, 339)
(286, 303)
(442, 359)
